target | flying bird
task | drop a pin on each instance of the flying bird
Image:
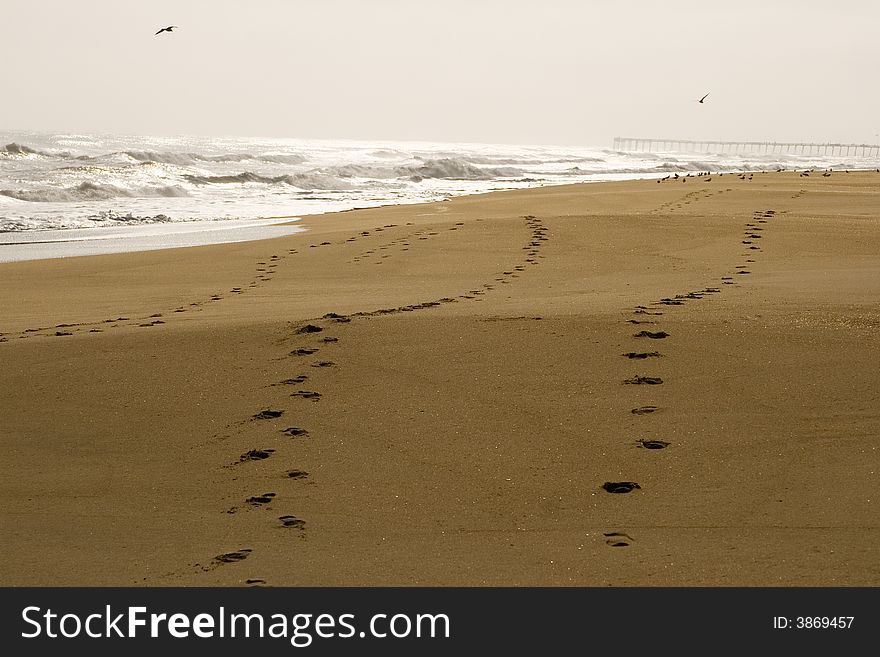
(171, 27)
(702, 99)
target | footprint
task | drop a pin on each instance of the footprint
(659, 335)
(292, 522)
(307, 394)
(296, 379)
(297, 474)
(295, 431)
(652, 444)
(618, 539)
(643, 410)
(256, 455)
(620, 486)
(644, 380)
(259, 500)
(268, 414)
(309, 328)
(643, 354)
(303, 351)
(232, 557)
(324, 363)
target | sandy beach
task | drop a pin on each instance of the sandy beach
(447, 394)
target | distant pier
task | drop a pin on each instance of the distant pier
(756, 147)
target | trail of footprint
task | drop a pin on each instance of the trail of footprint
(146, 324)
(752, 232)
(538, 236)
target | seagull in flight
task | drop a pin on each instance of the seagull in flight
(702, 99)
(171, 27)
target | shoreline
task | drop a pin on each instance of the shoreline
(459, 393)
(79, 242)
(151, 238)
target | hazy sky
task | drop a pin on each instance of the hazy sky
(515, 71)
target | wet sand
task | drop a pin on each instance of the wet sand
(634, 383)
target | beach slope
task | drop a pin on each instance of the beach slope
(633, 383)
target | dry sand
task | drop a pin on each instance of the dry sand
(473, 406)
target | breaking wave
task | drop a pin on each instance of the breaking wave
(443, 168)
(184, 159)
(306, 181)
(336, 178)
(159, 157)
(20, 149)
(89, 191)
(458, 169)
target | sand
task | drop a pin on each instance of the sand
(474, 396)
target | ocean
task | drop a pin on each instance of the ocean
(78, 194)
